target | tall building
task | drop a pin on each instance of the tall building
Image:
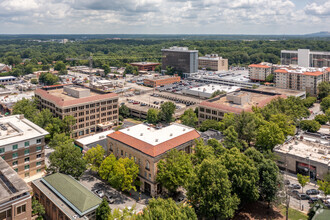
(22, 145)
(93, 110)
(15, 198)
(65, 198)
(212, 62)
(259, 72)
(148, 146)
(181, 59)
(305, 58)
(300, 78)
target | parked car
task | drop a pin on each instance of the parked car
(302, 196)
(99, 192)
(143, 104)
(312, 192)
(135, 103)
(295, 186)
(313, 200)
(293, 192)
(109, 198)
(287, 182)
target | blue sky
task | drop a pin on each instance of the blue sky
(164, 16)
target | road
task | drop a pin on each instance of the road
(316, 111)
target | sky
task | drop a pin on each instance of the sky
(164, 16)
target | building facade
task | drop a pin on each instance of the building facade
(259, 72)
(161, 80)
(22, 145)
(15, 198)
(145, 66)
(181, 59)
(305, 58)
(213, 62)
(93, 110)
(147, 146)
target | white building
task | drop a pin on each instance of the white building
(207, 90)
(91, 141)
(305, 58)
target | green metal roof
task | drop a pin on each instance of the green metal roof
(78, 197)
(322, 214)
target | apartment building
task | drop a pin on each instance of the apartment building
(65, 198)
(235, 102)
(15, 198)
(161, 80)
(305, 58)
(93, 110)
(259, 72)
(300, 78)
(148, 145)
(22, 145)
(213, 62)
(181, 59)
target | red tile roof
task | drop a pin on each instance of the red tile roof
(280, 71)
(153, 150)
(317, 73)
(259, 66)
(63, 103)
(328, 69)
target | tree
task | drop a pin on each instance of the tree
(189, 118)
(152, 116)
(202, 152)
(120, 174)
(68, 122)
(216, 93)
(67, 159)
(158, 68)
(270, 78)
(310, 125)
(34, 81)
(60, 66)
(324, 89)
(37, 208)
(231, 138)
(217, 146)
(48, 79)
(209, 124)
(167, 209)
(303, 180)
(26, 107)
(268, 180)
(103, 211)
(268, 136)
(124, 111)
(322, 119)
(284, 123)
(43, 118)
(55, 127)
(309, 101)
(106, 69)
(167, 111)
(324, 185)
(210, 191)
(246, 126)
(94, 157)
(174, 170)
(131, 70)
(59, 139)
(325, 104)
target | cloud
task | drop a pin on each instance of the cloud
(318, 9)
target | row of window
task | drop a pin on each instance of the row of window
(15, 146)
(147, 167)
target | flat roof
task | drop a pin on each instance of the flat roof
(16, 128)
(7, 77)
(144, 63)
(287, 92)
(11, 184)
(93, 138)
(154, 141)
(303, 148)
(211, 88)
(179, 49)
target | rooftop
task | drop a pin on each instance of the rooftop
(287, 92)
(69, 195)
(93, 138)
(310, 71)
(16, 128)
(144, 63)
(179, 49)
(154, 141)
(305, 148)
(11, 185)
(259, 66)
(214, 87)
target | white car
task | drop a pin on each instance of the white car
(100, 193)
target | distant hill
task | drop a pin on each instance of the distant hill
(319, 34)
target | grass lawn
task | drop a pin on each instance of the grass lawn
(293, 214)
(133, 120)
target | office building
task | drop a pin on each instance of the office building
(145, 66)
(148, 145)
(259, 72)
(161, 80)
(300, 78)
(235, 102)
(305, 58)
(213, 62)
(65, 198)
(22, 145)
(15, 198)
(93, 110)
(181, 59)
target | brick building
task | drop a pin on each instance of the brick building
(93, 110)
(213, 62)
(145, 66)
(15, 198)
(259, 72)
(161, 80)
(147, 146)
(22, 145)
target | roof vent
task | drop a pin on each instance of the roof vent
(156, 140)
(184, 129)
(127, 129)
(171, 134)
(141, 134)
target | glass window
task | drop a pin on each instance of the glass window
(2, 150)
(27, 143)
(15, 163)
(38, 141)
(15, 147)
(39, 163)
(38, 156)
(26, 151)
(27, 159)
(16, 169)
(15, 155)
(38, 170)
(147, 165)
(27, 174)
(39, 148)
(26, 167)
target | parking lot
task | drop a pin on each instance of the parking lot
(178, 87)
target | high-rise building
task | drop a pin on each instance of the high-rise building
(15, 198)
(93, 110)
(181, 59)
(259, 72)
(22, 145)
(305, 58)
(213, 62)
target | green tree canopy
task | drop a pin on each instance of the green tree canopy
(60, 66)
(26, 107)
(209, 124)
(103, 211)
(324, 89)
(48, 79)
(95, 157)
(202, 152)
(231, 139)
(124, 111)
(325, 104)
(322, 119)
(268, 136)
(152, 116)
(59, 139)
(167, 111)
(189, 118)
(37, 207)
(284, 123)
(303, 180)
(309, 101)
(310, 125)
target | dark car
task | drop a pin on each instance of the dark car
(313, 200)
(293, 192)
(287, 182)
(312, 192)
(295, 186)
(302, 196)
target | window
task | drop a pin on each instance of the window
(27, 143)
(39, 148)
(15, 163)
(21, 209)
(147, 165)
(39, 163)
(27, 159)
(149, 176)
(121, 152)
(125, 154)
(26, 167)
(26, 151)
(26, 174)
(15, 147)
(15, 155)
(38, 170)
(38, 156)
(16, 169)
(145, 174)
(38, 141)
(2, 150)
